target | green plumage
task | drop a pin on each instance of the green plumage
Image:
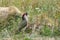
(22, 24)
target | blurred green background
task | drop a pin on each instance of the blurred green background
(45, 14)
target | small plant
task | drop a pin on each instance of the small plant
(45, 31)
(27, 39)
(56, 32)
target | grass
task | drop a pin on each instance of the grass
(48, 12)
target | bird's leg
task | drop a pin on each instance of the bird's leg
(26, 27)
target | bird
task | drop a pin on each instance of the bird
(23, 23)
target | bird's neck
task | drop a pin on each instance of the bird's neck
(26, 18)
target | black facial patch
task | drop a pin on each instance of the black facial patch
(24, 15)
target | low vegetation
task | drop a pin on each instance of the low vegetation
(44, 17)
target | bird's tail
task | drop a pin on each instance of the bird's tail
(19, 30)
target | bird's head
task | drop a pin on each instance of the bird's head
(25, 16)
